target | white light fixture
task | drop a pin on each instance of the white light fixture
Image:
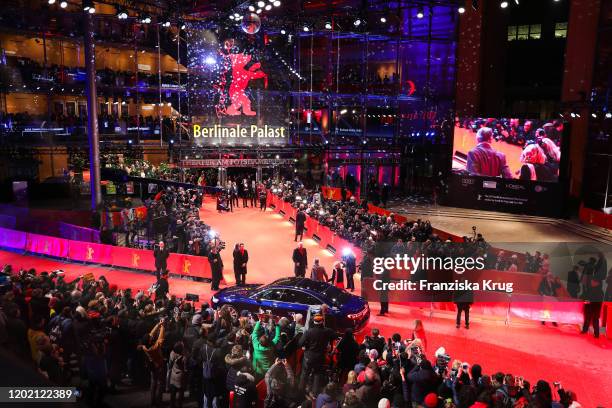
(258, 11)
(420, 12)
(92, 10)
(328, 25)
(357, 22)
(383, 20)
(277, 3)
(51, 1)
(608, 115)
(268, 7)
(503, 4)
(306, 29)
(63, 4)
(260, 4)
(461, 9)
(251, 8)
(594, 115)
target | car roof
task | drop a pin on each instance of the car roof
(302, 283)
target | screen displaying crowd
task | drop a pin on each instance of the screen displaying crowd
(508, 148)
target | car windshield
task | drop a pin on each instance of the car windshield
(331, 294)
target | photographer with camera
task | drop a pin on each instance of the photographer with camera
(216, 266)
(422, 377)
(315, 342)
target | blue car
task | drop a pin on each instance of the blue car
(288, 296)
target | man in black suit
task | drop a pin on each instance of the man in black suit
(350, 263)
(161, 255)
(463, 299)
(300, 260)
(241, 257)
(594, 274)
(216, 267)
(300, 221)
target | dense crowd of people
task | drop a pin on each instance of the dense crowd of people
(90, 334)
(370, 231)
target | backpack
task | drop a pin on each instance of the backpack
(208, 367)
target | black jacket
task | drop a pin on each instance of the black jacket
(300, 219)
(300, 257)
(239, 259)
(161, 258)
(315, 341)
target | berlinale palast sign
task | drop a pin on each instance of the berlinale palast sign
(239, 135)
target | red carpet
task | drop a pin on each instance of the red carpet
(580, 363)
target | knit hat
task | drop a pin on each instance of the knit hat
(431, 400)
(196, 320)
(384, 403)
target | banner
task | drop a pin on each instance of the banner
(189, 265)
(42, 244)
(90, 252)
(12, 239)
(133, 258)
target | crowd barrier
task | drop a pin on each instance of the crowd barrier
(594, 217)
(325, 236)
(131, 258)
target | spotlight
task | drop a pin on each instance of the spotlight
(343, 111)
(166, 24)
(357, 22)
(608, 115)
(461, 9)
(594, 115)
(88, 6)
(122, 14)
(503, 4)
(573, 115)
(251, 8)
(268, 7)
(210, 60)
(63, 4)
(145, 19)
(260, 4)
(328, 25)
(183, 26)
(420, 12)
(283, 32)
(383, 20)
(306, 29)
(277, 3)
(258, 11)
(51, 1)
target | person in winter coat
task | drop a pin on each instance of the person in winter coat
(279, 381)
(236, 361)
(348, 349)
(327, 399)
(369, 389)
(177, 374)
(424, 381)
(263, 349)
(245, 392)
